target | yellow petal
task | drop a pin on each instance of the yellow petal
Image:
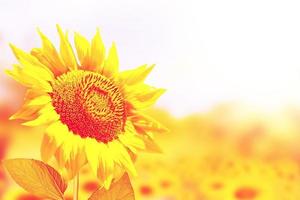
(97, 53)
(70, 154)
(134, 76)
(111, 65)
(83, 50)
(48, 148)
(150, 144)
(62, 154)
(49, 56)
(121, 156)
(16, 74)
(150, 97)
(58, 132)
(26, 113)
(106, 166)
(91, 150)
(41, 100)
(99, 157)
(46, 115)
(26, 110)
(66, 51)
(25, 58)
(29, 78)
(31, 94)
(29, 62)
(144, 123)
(130, 139)
(69, 149)
(31, 72)
(76, 162)
(142, 96)
(33, 103)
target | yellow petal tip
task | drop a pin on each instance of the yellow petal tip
(12, 117)
(12, 46)
(29, 123)
(7, 71)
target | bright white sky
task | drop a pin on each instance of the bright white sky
(206, 52)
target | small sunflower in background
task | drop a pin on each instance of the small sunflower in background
(93, 112)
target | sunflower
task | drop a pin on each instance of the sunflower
(92, 111)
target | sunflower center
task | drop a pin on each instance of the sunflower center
(90, 104)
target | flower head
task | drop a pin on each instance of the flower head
(93, 112)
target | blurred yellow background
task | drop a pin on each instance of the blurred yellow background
(232, 71)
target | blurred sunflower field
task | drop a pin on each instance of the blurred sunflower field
(231, 70)
(228, 152)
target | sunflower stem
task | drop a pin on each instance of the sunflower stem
(76, 187)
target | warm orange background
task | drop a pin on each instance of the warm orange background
(232, 71)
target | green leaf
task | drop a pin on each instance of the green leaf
(36, 177)
(120, 190)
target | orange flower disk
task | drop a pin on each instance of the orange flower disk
(89, 104)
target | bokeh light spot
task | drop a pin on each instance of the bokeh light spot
(91, 186)
(246, 193)
(146, 190)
